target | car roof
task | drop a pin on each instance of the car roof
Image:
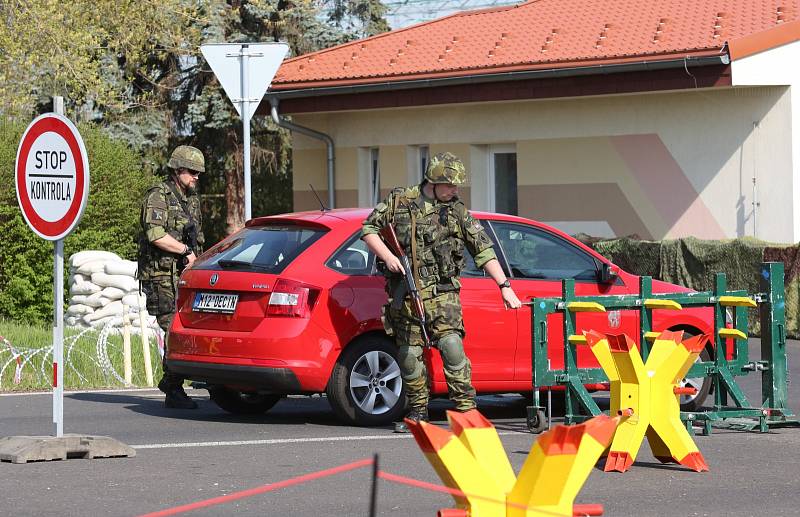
(355, 216)
(359, 214)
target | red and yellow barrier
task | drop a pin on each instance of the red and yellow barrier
(645, 395)
(472, 460)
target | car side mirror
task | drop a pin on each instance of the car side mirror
(608, 273)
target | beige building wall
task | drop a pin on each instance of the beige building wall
(658, 165)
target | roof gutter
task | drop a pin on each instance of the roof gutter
(638, 66)
(282, 122)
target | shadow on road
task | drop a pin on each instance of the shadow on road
(289, 411)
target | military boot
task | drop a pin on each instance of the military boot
(176, 398)
(415, 415)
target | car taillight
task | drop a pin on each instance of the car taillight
(293, 299)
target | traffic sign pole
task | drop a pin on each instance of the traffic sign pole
(58, 326)
(245, 56)
(252, 75)
(58, 341)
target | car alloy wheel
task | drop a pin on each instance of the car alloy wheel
(375, 382)
(365, 387)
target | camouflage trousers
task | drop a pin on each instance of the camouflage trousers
(160, 293)
(445, 330)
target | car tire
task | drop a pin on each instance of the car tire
(366, 388)
(242, 403)
(702, 384)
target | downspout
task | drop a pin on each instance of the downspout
(313, 134)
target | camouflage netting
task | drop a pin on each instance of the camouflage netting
(790, 256)
(692, 262)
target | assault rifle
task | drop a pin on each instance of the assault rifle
(190, 239)
(390, 238)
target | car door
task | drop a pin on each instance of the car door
(491, 329)
(538, 261)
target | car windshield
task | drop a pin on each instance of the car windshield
(266, 249)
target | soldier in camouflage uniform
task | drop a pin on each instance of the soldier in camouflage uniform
(170, 238)
(441, 228)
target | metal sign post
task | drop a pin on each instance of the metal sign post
(245, 71)
(244, 56)
(58, 317)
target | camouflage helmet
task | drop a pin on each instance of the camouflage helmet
(187, 157)
(446, 168)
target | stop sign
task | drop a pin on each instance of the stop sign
(52, 176)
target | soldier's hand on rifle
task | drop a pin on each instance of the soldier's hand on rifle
(381, 250)
(393, 263)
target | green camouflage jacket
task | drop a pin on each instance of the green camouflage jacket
(443, 230)
(166, 211)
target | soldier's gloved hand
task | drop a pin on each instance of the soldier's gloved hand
(510, 298)
(393, 263)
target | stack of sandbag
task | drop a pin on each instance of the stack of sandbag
(100, 284)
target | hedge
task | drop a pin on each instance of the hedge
(110, 221)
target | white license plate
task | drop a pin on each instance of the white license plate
(214, 302)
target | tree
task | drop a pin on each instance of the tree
(211, 118)
(95, 54)
(134, 67)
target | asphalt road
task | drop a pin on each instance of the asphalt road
(188, 456)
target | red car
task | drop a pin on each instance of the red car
(291, 304)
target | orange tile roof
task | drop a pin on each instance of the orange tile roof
(543, 34)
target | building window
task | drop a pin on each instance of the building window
(375, 175)
(504, 168)
(423, 156)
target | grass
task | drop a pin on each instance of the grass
(92, 359)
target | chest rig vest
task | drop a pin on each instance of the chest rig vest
(179, 212)
(430, 233)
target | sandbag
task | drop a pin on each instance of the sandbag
(123, 267)
(79, 298)
(94, 300)
(84, 288)
(126, 283)
(97, 323)
(113, 293)
(76, 278)
(76, 260)
(95, 266)
(111, 309)
(79, 309)
(132, 300)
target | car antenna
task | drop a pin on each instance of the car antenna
(324, 208)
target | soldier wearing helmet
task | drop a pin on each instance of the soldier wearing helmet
(434, 227)
(170, 238)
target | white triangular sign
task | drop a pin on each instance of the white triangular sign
(226, 59)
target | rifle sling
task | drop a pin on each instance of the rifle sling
(404, 202)
(172, 186)
(414, 262)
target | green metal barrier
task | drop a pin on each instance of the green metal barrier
(729, 307)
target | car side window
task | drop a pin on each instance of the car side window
(533, 253)
(353, 257)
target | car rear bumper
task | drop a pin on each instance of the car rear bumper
(277, 380)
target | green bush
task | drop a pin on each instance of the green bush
(109, 222)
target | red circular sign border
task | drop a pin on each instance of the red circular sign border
(52, 230)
